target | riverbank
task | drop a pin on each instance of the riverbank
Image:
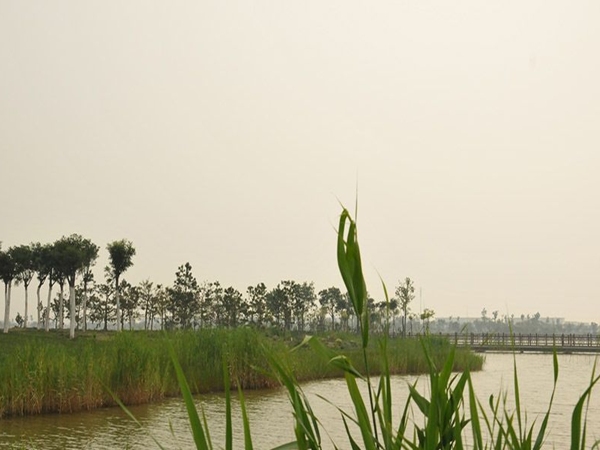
(48, 373)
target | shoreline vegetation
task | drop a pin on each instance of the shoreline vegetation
(50, 373)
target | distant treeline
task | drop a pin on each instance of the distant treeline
(523, 323)
(114, 303)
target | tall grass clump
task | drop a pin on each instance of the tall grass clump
(448, 416)
(49, 373)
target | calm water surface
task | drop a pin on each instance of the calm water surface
(271, 418)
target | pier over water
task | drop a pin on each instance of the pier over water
(523, 342)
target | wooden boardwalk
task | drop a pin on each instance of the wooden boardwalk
(504, 342)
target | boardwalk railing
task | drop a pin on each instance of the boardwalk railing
(523, 342)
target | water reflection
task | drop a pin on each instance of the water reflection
(272, 421)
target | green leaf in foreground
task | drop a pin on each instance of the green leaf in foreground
(198, 433)
(577, 434)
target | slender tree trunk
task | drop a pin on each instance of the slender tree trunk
(146, 313)
(26, 306)
(84, 307)
(48, 308)
(39, 305)
(72, 305)
(118, 303)
(106, 313)
(7, 306)
(61, 307)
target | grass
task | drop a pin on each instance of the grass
(43, 372)
(49, 373)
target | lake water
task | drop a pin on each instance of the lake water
(271, 418)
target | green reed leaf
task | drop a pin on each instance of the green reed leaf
(364, 421)
(577, 436)
(228, 426)
(350, 267)
(197, 429)
(245, 421)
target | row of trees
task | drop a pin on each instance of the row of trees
(189, 304)
(186, 304)
(65, 261)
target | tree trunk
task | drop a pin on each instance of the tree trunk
(26, 305)
(6, 306)
(39, 307)
(48, 308)
(72, 305)
(146, 315)
(106, 313)
(118, 300)
(61, 307)
(84, 307)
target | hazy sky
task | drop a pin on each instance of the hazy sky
(223, 133)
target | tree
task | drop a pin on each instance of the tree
(130, 298)
(184, 296)
(303, 302)
(95, 306)
(394, 307)
(330, 298)
(8, 271)
(60, 280)
(148, 301)
(105, 310)
(234, 307)
(161, 301)
(90, 255)
(257, 303)
(42, 270)
(299, 298)
(73, 253)
(405, 293)
(278, 306)
(426, 316)
(121, 254)
(209, 303)
(50, 264)
(23, 257)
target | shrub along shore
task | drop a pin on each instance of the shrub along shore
(48, 373)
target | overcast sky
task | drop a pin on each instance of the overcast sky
(225, 133)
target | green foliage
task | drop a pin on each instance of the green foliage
(183, 296)
(121, 255)
(405, 295)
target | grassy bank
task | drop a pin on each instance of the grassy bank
(48, 373)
